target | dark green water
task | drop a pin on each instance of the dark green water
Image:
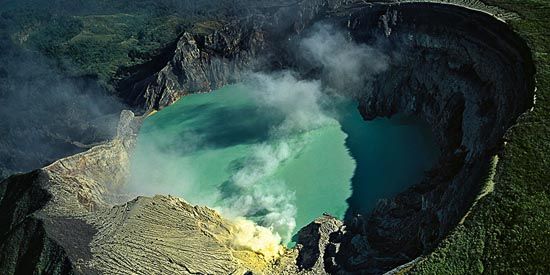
(226, 151)
(390, 153)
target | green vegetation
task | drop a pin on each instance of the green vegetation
(99, 38)
(508, 231)
(100, 44)
(106, 42)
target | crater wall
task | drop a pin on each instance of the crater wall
(469, 77)
(462, 71)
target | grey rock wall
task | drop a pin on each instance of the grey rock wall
(469, 80)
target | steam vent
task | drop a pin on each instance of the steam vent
(274, 137)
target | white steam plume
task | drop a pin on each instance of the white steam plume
(345, 64)
(252, 192)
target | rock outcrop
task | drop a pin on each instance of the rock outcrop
(214, 54)
(202, 62)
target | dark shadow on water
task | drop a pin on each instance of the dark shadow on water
(391, 155)
(172, 115)
(211, 126)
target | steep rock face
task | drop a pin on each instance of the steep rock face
(469, 77)
(201, 62)
(217, 53)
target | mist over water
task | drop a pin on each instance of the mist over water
(276, 149)
(276, 167)
(247, 154)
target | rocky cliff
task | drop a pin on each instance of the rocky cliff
(469, 79)
(213, 54)
(462, 71)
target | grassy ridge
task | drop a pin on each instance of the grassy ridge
(508, 231)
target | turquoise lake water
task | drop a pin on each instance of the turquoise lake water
(224, 150)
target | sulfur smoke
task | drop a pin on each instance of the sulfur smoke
(248, 235)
